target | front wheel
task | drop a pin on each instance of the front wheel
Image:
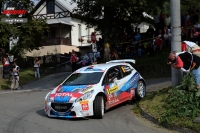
(98, 107)
(140, 90)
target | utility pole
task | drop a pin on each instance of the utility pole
(176, 37)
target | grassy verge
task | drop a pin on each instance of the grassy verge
(154, 104)
(26, 76)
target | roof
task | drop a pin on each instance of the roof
(66, 4)
(122, 61)
(58, 21)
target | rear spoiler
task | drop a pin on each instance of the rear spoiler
(122, 61)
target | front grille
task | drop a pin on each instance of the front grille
(61, 107)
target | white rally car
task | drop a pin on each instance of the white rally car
(92, 90)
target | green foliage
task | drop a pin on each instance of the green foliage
(31, 34)
(114, 16)
(183, 101)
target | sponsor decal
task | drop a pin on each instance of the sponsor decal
(113, 101)
(130, 83)
(85, 107)
(87, 88)
(63, 94)
(112, 90)
(132, 91)
(84, 102)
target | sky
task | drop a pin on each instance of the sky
(35, 1)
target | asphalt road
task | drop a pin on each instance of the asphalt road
(21, 111)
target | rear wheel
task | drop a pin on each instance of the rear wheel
(140, 90)
(98, 107)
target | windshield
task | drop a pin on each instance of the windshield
(83, 78)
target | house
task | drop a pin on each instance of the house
(65, 30)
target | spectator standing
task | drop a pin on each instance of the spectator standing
(157, 23)
(167, 39)
(187, 62)
(44, 60)
(150, 32)
(162, 21)
(107, 52)
(37, 67)
(191, 47)
(167, 20)
(11, 59)
(73, 61)
(158, 43)
(6, 67)
(15, 77)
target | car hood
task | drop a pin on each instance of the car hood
(66, 93)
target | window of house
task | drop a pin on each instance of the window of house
(50, 6)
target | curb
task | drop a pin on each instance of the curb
(155, 121)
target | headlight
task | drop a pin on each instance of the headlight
(47, 98)
(85, 96)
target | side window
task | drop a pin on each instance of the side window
(126, 70)
(105, 80)
(113, 74)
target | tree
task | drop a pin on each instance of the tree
(31, 34)
(114, 16)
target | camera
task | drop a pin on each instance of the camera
(169, 60)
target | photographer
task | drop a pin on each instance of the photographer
(187, 62)
(15, 77)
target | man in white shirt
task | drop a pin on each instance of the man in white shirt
(15, 77)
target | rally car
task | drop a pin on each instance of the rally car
(91, 90)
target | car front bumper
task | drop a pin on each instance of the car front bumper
(75, 110)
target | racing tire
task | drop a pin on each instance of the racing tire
(98, 107)
(140, 90)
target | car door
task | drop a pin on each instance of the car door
(125, 93)
(112, 84)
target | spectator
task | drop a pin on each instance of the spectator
(141, 50)
(114, 55)
(191, 47)
(128, 52)
(150, 32)
(15, 77)
(167, 39)
(162, 21)
(194, 35)
(187, 62)
(157, 23)
(167, 20)
(73, 61)
(6, 67)
(11, 59)
(150, 49)
(158, 43)
(44, 60)
(37, 67)
(107, 53)
(137, 38)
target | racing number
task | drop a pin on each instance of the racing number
(85, 106)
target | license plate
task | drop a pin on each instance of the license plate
(60, 107)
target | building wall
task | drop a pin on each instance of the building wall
(57, 49)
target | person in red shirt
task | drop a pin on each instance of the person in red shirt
(73, 61)
(187, 62)
(183, 46)
(158, 43)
